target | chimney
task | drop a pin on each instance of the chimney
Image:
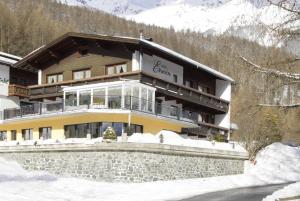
(141, 34)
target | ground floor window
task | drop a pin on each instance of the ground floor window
(3, 135)
(45, 133)
(134, 128)
(98, 128)
(27, 134)
(13, 134)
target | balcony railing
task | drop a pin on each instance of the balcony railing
(187, 93)
(47, 90)
(113, 102)
(18, 90)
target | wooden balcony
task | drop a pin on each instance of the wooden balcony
(187, 94)
(18, 90)
(53, 90)
(177, 92)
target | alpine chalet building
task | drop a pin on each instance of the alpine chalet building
(80, 84)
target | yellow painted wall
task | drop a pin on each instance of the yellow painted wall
(151, 124)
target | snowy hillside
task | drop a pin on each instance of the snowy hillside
(276, 164)
(245, 18)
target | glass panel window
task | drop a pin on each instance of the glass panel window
(3, 135)
(82, 74)
(118, 127)
(127, 96)
(135, 98)
(114, 97)
(85, 98)
(13, 135)
(99, 97)
(134, 128)
(144, 99)
(173, 111)
(45, 133)
(77, 131)
(116, 69)
(150, 100)
(110, 70)
(60, 77)
(27, 134)
(54, 78)
(122, 68)
(71, 98)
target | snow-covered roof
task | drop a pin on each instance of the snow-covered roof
(191, 61)
(8, 58)
(131, 40)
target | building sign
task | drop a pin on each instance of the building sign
(161, 68)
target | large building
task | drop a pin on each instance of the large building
(80, 84)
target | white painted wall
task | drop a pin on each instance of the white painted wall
(162, 68)
(4, 80)
(136, 61)
(223, 91)
(9, 102)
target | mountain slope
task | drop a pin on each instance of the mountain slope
(243, 18)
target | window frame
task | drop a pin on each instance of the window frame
(84, 70)
(41, 134)
(56, 77)
(13, 133)
(30, 133)
(114, 66)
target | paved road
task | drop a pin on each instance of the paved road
(240, 194)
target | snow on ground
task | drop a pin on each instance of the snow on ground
(277, 163)
(291, 190)
(172, 138)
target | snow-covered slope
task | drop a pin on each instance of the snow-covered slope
(276, 164)
(245, 18)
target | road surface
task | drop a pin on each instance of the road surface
(240, 194)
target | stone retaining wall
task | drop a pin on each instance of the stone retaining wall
(127, 162)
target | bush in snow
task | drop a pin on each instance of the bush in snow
(109, 134)
(219, 137)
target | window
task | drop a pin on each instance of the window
(82, 74)
(85, 98)
(45, 133)
(71, 99)
(13, 135)
(173, 110)
(54, 78)
(175, 78)
(134, 128)
(121, 68)
(27, 134)
(110, 70)
(99, 97)
(116, 69)
(3, 135)
(114, 97)
(135, 98)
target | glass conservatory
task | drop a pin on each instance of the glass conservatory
(111, 95)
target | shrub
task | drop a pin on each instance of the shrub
(109, 134)
(219, 137)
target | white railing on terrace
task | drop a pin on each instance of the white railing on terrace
(109, 102)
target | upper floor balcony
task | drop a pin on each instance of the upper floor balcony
(18, 90)
(179, 92)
